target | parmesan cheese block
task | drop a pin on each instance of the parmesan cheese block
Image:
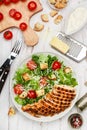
(59, 45)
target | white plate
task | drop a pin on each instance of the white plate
(43, 119)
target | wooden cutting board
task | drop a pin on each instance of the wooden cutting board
(30, 37)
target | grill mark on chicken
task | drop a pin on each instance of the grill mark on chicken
(56, 101)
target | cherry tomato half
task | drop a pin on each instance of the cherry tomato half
(31, 65)
(14, 1)
(17, 15)
(1, 2)
(56, 65)
(18, 89)
(1, 17)
(8, 35)
(32, 5)
(12, 12)
(23, 26)
(7, 2)
(43, 81)
(32, 94)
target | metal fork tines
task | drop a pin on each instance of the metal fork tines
(5, 68)
(15, 50)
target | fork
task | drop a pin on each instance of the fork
(5, 68)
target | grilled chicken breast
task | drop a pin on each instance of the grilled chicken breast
(54, 102)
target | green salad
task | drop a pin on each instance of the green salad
(38, 76)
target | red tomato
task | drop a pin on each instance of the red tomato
(12, 12)
(43, 81)
(18, 89)
(31, 65)
(32, 94)
(23, 26)
(1, 17)
(14, 1)
(8, 35)
(1, 2)
(32, 5)
(17, 15)
(7, 2)
(56, 65)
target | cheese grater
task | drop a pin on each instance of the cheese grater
(77, 49)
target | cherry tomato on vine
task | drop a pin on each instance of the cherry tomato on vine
(7, 2)
(18, 89)
(12, 12)
(17, 15)
(32, 5)
(56, 65)
(8, 35)
(32, 94)
(1, 16)
(23, 26)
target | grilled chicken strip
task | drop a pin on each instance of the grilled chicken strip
(54, 102)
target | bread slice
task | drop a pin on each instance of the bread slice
(44, 18)
(58, 19)
(59, 45)
(38, 27)
(53, 13)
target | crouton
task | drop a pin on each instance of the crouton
(38, 27)
(44, 18)
(43, 66)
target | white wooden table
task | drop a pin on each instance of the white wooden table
(19, 122)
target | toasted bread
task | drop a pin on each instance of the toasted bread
(53, 13)
(44, 18)
(38, 27)
(58, 19)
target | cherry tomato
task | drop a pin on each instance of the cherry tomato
(31, 65)
(32, 94)
(18, 89)
(1, 17)
(7, 2)
(32, 5)
(14, 1)
(8, 35)
(17, 15)
(43, 81)
(56, 65)
(12, 12)
(23, 26)
(1, 2)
